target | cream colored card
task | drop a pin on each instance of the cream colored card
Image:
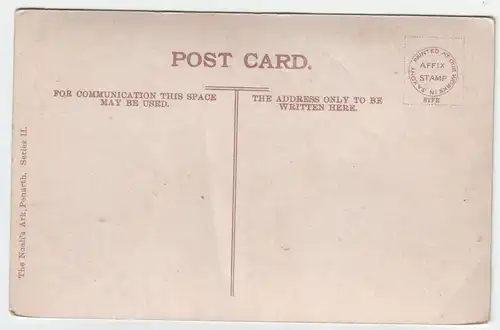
(252, 167)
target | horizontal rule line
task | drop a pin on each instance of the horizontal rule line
(237, 88)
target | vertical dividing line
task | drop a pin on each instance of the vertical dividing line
(235, 178)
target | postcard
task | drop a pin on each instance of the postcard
(252, 167)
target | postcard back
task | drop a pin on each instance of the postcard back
(252, 167)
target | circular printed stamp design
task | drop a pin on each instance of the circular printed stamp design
(433, 71)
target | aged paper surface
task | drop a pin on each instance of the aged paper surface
(249, 167)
